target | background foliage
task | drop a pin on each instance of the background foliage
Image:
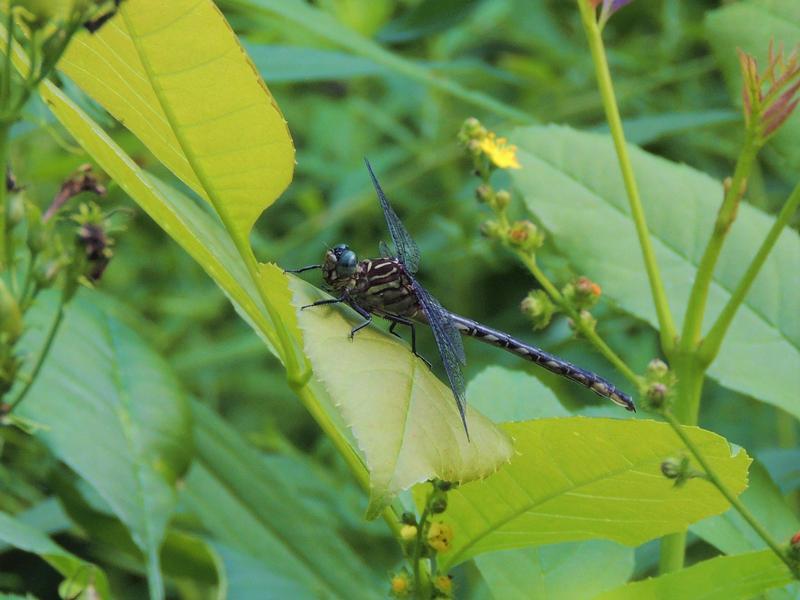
(268, 503)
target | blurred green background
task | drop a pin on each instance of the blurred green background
(531, 57)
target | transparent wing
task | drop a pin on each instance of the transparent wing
(385, 251)
(407, 250)
(448, 341)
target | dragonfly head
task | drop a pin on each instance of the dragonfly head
(339, 264)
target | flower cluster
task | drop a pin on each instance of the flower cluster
(423, 539)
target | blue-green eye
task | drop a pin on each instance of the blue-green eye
(346, 263)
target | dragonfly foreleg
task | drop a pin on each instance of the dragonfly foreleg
(403, 321)
(301, 269)
(367, 318)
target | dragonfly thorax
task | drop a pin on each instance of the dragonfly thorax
(339, 266)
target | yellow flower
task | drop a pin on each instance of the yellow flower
(440, 536)
(499, 151)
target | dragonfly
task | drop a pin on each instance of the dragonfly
(387, 287)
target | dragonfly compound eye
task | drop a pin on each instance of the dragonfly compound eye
(346, 263)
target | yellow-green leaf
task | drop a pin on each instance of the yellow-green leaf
(175, 74)
(403, 418)
(577, 479)
(737, 577)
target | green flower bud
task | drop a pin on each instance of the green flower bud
(15, 210)
(657, 368)
(491, 230)
(538, 306)
(10, 316)
(525, 235)
(502, 199)
(484, 193)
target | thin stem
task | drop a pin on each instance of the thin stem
(606, 89)
(417, 555)
(4, 127)
(711, 345)
(698, 296)
(48, 342)
(729, 496)
(688, 391)
(590, 334)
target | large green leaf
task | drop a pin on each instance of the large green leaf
(550, 571)
(752, 26)
(571, 181)
(504, 395)
(742, 577)
(404, 419)
(175, 74)
(578, 478)
(112, 411)
(270, 531)
(83, 580)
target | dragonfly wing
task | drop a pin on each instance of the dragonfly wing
(385, 251)
(407, 250)
(448, 341)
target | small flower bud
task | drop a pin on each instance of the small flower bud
(471, 130)
(474, 148)
(440, 536)
(586, 321)
(408, 532)
(491, 230)
(439, 504)
(15, 211)
(502, 199)
(657, 368)
(678, 469)
(401, 584)
(538, 306)
(656, 394)
(443, 584)
(671, 467)
(525, 235)
(582, 293)
(408, 518)
(484, 193)
(10, 316)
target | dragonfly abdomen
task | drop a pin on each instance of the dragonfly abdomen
(594, 382)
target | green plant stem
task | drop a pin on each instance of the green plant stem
(590, 334)
(710, 346)
(688, 390)
(417, 555)
(48, 342)
(4, 127)
(730, 496)
(698, 296)
(666, 326)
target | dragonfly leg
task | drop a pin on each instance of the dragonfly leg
(402, 321)
(301, 269)
(323, 302)
(367, 319)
